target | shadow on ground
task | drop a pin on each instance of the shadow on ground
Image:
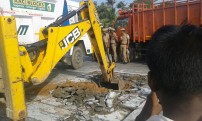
(31, 91)
(3, 112)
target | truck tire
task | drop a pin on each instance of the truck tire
(77, 58)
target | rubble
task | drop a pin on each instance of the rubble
(100, 100)
(134, 113)
(131, 101)
(145, 91)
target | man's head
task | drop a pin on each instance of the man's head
(105, 30)
(111, 29)
(123, 30)
(175, 60)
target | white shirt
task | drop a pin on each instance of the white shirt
(159, 118)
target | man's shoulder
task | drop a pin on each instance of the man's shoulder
(127, 35)
(158, 118)
(114, 33)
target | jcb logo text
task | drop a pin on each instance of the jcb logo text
(71, 37)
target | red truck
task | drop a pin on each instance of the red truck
(142, 20)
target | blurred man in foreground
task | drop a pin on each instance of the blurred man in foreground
(175, 78)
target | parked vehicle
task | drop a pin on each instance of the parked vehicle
(142, 20)
(32, 15)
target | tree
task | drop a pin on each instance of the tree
(121, 5)
(111, 3)
(148, 2)
(95, 3)
(101, 9)
(106, 13)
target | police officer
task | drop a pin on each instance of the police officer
(125, 39)
(106, 39)
(113, 42)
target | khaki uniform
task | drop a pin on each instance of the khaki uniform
(124, 43)
(113, 39)
(106, 40)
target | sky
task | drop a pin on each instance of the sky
(117, 1)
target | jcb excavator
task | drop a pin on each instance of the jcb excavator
(33, 63)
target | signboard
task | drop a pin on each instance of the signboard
(33, 5)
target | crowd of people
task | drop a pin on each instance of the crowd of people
(112, 42)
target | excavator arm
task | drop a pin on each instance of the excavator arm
(34, 62)
(56, 41)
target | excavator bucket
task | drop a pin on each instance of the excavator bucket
(118, 82)
(121, 84)
(115, 83)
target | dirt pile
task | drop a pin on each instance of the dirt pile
(101, 100)
(131, 80)
(86, 94)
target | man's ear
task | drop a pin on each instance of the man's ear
(151, 81)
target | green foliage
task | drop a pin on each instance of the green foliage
(106, 13)
(121, 5)
(148, 2)
(111, 3)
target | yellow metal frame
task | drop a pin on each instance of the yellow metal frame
(17, 66)
(53, 52)
(11, 69)
(96, 40)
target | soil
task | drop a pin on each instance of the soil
(129, 80)
(42, 89)
(94, 96)
(91, 87)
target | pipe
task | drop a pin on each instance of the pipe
(63, 19)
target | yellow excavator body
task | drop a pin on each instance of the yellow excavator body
(54, 42)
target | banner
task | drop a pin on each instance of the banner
(33, 5)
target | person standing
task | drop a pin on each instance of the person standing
(106, 39)
(125, 39)
(113, 42)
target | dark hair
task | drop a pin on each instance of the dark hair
(175, 59)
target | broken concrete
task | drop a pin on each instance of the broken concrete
(134, 113)
(131, 102)
(42, 107)
(99, 100)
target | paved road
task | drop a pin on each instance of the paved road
(45, 108)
